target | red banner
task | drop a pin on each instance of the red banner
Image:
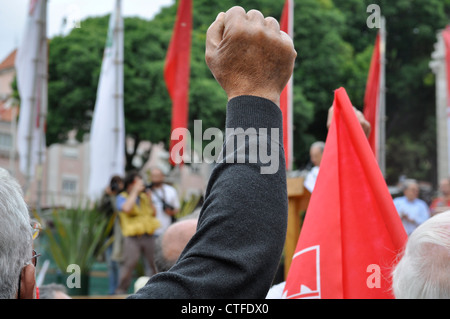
(286, 25)
(371, 97)
(352, 232)
(177, 69)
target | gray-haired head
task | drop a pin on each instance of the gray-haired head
(316, 151)
(15, 235)
(423, 271)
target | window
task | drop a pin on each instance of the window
(69, 185)
(5, 141)
(70, 152)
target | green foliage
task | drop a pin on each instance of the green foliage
(76, 236)
(188, 206)
(410, 98)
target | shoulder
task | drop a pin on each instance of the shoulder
(398, 200)
(169, 188)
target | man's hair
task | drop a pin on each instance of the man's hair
(15, 235)
(423, 271)
(48, 291)
(318, 144)
(409, 182)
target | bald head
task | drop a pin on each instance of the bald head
(172, 242)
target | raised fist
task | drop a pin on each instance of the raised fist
(249, 55)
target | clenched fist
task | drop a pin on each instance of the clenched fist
(249, 55)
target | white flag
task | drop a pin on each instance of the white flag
(107, 137)
(31, 68)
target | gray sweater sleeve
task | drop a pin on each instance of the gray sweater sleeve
(242, 225)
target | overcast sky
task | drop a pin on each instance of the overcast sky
(13, 15)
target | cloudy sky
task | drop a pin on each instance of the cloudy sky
(13, 15)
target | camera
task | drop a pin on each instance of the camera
(148, 186)
(114, 186)
(167, 206)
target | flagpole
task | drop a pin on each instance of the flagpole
(32, 98)
(44, 101)
(117, 95)
(291, 92)
(382, 99)
(12, 152)
(286, 103)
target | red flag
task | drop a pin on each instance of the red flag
(177, 68)
(286, 25)
(352, 232)
(446, 37)
(371, 97)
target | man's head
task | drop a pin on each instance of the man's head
(16, 242)
(53, 291)
(172, 242)
(157, 177)
(444, 186)
(316, 152)
(423, 271)
(411, 189)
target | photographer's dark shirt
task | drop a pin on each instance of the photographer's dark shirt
(242, 225)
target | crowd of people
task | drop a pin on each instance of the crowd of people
(233, 248)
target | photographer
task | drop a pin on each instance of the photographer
(165, 199)
(107, 206)
(138, 223)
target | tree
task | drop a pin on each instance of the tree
(410, 101)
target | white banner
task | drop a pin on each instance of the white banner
(107, 137)
(31, 68)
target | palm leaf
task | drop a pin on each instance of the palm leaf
(78, 236)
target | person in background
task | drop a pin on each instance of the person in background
(107, 206)
(171, 243)
(412, 210)
(315, 155)
(317, 148)
(138, 223)
(53, 291)
(423, 270)
(441, 203)
(165, 200)
(17, 257)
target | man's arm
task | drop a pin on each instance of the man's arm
(242, 226)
